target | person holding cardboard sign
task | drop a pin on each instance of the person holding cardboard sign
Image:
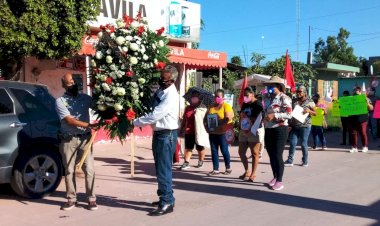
(318, 123)
(278, 110)
(344, 121)
(216, 121)
(358, 125)
(372, 122)
(250, 111)
(300, 129)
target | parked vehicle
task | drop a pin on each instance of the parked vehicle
(29, 153)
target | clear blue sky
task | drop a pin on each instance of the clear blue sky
(269, 26)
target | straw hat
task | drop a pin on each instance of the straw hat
(276, 80)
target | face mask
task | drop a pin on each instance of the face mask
(163, 83)
(270, 89)
(73, 90)
(219, 100)
(194, 100)
(246, 99)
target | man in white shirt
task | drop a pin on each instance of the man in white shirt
(165, 122)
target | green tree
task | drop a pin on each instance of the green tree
(44, 29)
(236, 60)
(301, 72)
(256, 60)
(335, 50)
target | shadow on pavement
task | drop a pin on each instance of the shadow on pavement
(189, 181)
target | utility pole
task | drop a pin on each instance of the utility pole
(309, 54)
(298, 16)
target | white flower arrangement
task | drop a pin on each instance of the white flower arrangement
(125, 66)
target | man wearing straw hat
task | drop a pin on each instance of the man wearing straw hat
(75, 133)
(165, 122)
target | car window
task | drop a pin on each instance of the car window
(6, 103)
(30, 103)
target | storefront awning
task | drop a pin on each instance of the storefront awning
(192, 58)
(197, 59)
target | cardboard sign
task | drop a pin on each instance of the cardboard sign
(257, 123)
(298, 114)
(318, 119)
(353, 105)
(335, 111)
(376, 111)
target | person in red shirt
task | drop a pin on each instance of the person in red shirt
(193, 130)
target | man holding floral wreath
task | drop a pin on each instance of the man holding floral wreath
(75, 133)
(165, 122)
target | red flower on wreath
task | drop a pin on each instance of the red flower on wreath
(110, 27)
(140, 30)
(160, 65)
(138, 16)
(127, 20)
(129, 73)
(130, 114)
(115, 119)
(160, 31)
(108, 121)
(109, 80)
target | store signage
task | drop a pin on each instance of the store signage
(181, 19)
(213, 55)
(177, 52)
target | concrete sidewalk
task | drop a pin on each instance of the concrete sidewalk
(338, 188)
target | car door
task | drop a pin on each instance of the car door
(11, 129)
(39, 107)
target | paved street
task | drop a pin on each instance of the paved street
(338, 188)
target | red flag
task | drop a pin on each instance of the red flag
(288, 73)
(243, 86)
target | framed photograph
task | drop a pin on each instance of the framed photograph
(212, 121)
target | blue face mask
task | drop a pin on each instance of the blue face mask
(270, 89)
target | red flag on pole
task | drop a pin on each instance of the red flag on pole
(243, 86)
(288, 73)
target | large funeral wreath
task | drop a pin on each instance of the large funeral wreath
(124, 69)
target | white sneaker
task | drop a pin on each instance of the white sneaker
(353, 150)
(365, 149)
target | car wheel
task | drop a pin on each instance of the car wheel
(37, 174)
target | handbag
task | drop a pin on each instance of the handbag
(324, 123)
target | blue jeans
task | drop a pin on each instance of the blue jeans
(317, 133)
(217, 141)
(301, 133)
(163, 146)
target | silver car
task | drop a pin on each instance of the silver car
(29, 154)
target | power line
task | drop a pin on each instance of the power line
(291, 21)
(353, 33)
(305, 50)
